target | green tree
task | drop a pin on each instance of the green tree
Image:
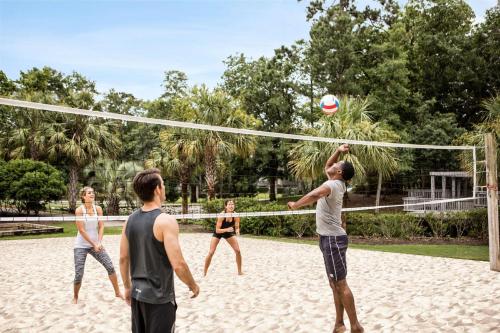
(78, 141)
(266, 90)
(440, 59)
(7, 86)
(485, 42)
(217, 108)
(30, 184)
(387, 80)
(137, 138)
(25, 131)
(342, 36)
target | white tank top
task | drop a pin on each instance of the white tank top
(90, 223)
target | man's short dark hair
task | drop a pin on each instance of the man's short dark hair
(145, 183)
(347, 170)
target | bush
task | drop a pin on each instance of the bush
(478, 226)
(401, 225)
(29, 184)
(473, 223)
(438, 224)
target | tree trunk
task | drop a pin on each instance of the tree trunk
(379, 190)
(210, 173)
(193, 192)
(272, 189)
(311, 87)
(273, 170)
(113, 205)
(113, 202)
(34, 154)
(73, 190)
(184, 189)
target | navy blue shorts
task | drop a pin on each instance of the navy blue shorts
(334, 250)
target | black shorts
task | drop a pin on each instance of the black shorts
(224, 235)
(152, 318)
(334, 250)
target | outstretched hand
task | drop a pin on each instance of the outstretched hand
(343, 148)
(291, 205)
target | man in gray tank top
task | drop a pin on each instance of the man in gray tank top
(149, 254)
(332, 236)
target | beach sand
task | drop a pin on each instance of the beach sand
(284, 289)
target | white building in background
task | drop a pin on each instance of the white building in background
(454, 185)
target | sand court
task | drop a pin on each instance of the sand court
(284, 289)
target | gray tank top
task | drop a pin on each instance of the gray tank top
(150, 270)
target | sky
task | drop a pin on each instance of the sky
(128, 45)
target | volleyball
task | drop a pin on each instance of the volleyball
(329, 104)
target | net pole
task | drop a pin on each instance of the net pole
(474, 175)
(492, 199)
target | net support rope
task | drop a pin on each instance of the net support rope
(239, 131)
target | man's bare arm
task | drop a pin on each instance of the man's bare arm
(335, 156)
(170, 233)
(310, 197)
(125, 264)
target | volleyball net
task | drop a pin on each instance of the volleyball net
(204, 164)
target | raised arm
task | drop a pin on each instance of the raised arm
(335, 156)
(310, 197)
(170, 237)
(125, 263)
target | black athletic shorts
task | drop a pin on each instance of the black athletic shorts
(224, 235)
(153, 318)
(334, 250)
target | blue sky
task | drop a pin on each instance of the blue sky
(127, 45)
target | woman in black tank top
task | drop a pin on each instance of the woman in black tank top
(227, 228)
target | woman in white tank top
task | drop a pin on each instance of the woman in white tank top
(89, 240)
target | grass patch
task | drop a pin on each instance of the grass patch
(458, 251)
(471, 252)
(70, 230)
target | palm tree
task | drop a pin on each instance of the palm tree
(353, 122)
(217, 108)
(189, 148)
(177, 155)
(24, 134)
(80, 141)
(113, 181)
